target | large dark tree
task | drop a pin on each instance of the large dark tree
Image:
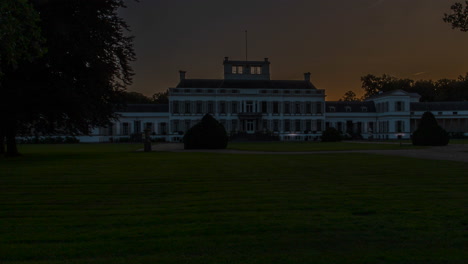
(20, 41)
(459, 16)
(77, 84)
(429, 133)
(350, 96)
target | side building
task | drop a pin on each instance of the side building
(248, 102)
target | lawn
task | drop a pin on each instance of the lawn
(109, 204)
(316, 146)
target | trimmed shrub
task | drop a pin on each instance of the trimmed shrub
(331, 135)
(207, 134)
(429, 133)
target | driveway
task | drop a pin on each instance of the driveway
(453, 152)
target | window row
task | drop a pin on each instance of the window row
(235, 107)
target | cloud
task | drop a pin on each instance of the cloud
(419, 73)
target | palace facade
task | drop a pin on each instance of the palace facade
(247, 101)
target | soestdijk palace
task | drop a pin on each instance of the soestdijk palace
(247, 101)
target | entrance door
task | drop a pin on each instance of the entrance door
(250, 126)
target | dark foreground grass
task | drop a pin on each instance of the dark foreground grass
(106, 204)
(316, 146)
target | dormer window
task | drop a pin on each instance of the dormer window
(237, 69)
(332, 109)
(364, 109)
(348, 108)
(255, 70)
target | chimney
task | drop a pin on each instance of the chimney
(226, 58)
(182, 75)
(307, 76)
(266, 59)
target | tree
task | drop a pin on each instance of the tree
(78, 83)
(372, 84)
(207, 134)
(331, 134)
(135, 98)
(20, 41)
(429, 133)
(349, 96)
(161, 97)
(459, 16)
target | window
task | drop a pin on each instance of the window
(255, 70)
(199, 90)
(363, 108)
(400, 126)
(399, 106)
(175, 107)
(249, 107)
(348, 108)
(210, 91)
(275, 91)
(319, 108)
(199, 107)
(276, 125)
(308, 92)
(264, 107)
(308, 108)
(187, 125)
(297, 91)
(187, 91)
(149, 126)
(297, 108)
(125, 129)
(298, 125)
(210, 107)
(234, 107)
(237, 69)
(222, 107)
(137, 126)
(175, 126)
(287, 107)
(286, 92)
(263, 91)
(331, 109)
(287, 125)
(455, 113)
(308, 125)
(440, 113)
(163, 128)
(235, 91)
(187, 107)
(234, 125)
(275, 107)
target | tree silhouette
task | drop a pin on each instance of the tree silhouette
(459, 16)
(77, 84)
(20, 41)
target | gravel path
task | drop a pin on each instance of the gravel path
(454, 152)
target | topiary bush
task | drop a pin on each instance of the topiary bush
(429, 133)
(331, 135)
(207, 134)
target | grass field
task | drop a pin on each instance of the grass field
(109, 204)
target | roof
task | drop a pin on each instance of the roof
(397, 92)
(356, 107)
(262, 84)
(439, 106)
(139, 108)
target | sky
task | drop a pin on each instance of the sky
(337, 41)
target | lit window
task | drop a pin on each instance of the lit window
(255, 70)
(237, 69)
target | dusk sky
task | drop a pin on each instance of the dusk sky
(337, 41)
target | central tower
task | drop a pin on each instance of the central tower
(246, 70)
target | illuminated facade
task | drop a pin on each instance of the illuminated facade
(247, 102)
